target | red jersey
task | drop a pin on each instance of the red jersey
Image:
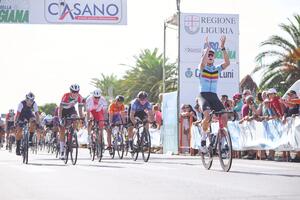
(276, 105)
(69, 100)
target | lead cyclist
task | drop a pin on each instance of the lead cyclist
(209, 75)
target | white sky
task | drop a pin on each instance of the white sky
(46, 59)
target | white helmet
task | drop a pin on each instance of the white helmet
(30, 96)
(97, 93)
(75, 88)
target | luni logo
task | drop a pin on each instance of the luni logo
(75, 11)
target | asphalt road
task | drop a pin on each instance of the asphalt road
(163, 177)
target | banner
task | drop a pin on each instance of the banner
(253, 135)
(194, 28)
(112, 12)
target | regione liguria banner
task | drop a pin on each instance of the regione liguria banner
(112, 12)
(194, 28)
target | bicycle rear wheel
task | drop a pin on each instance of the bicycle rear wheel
(74, 149)
(25, 150)
(207, 158)
(146, 145)
(225, 149)
(120, 145)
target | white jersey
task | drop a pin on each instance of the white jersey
(96, 104)
(35, 107)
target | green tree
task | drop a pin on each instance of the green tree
(147, 75)
(48, 108)
(284, 53)
(107, 83)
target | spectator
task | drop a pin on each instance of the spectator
(245, 94)
(157, 116)
(291, 108)
(226, 102)
(237, 105)
(275, 102)
(187, 112)
(198, 110)
(248, 109)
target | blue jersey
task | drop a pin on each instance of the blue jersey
(136, 106)
(209, 78)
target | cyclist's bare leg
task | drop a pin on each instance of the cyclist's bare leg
(108, 131)
(205, 129)
(130, 136)
(62, 131)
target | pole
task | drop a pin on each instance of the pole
(164, 60)
(178, 83)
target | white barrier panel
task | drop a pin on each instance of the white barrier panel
(255, 135)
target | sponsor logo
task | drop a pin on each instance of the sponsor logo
(195, 72)
(75, 11)
(193, 50)
(188, 73)
(192, 24)
(12, 11)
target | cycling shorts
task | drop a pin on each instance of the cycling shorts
(210, 101)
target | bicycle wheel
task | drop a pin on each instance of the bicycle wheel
(146, 145)
(34, 141)
(135, 146)
(207, 158)
(225, 149)
(74, 149)
(120, 145)
(25, 150)
(112, 151)
(125, 141)
(66, 151)
(100, 147)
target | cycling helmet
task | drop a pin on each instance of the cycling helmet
(30, 96)
(120, 98)
(75, 88)
(142, 95)
(97, 93)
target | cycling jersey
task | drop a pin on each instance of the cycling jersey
(25, 111)
(68, 101)
(116, 111)
(96, 104)
(136, 106)
(10, 117)
(209, 78)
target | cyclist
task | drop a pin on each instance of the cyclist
(10, 123)
(2, 132)
(24, 112)
(96, 106)
(117, 110)
(208, 86)
(141, 108)
(67, 109)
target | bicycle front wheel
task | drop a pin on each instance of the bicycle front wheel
(225, 149)
(120, 145)
(25, 150)
(135, 146)
(74, 149)
(207, 157)
(146, 145)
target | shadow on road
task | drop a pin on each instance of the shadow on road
(45, 164)
(265, 174)
(100, 166)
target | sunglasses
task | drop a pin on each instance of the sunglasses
(210, 55)
(75, 92)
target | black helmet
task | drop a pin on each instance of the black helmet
(142, 95)
(120, 98)
(30, 96)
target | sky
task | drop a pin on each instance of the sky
(47, 59)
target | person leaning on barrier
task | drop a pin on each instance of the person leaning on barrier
(248, 110)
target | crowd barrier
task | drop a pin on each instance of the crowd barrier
(254, 135)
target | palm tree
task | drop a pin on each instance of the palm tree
(284, 69)
(147, 75)
(107, 83)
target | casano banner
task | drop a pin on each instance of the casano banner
(112, 12)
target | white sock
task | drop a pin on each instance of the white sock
(62, 146)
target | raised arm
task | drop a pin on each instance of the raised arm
(205, 55)
(225, 55)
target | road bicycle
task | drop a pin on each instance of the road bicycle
(141, 140)
(96, 141)
(219, 144)
(118, 139)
